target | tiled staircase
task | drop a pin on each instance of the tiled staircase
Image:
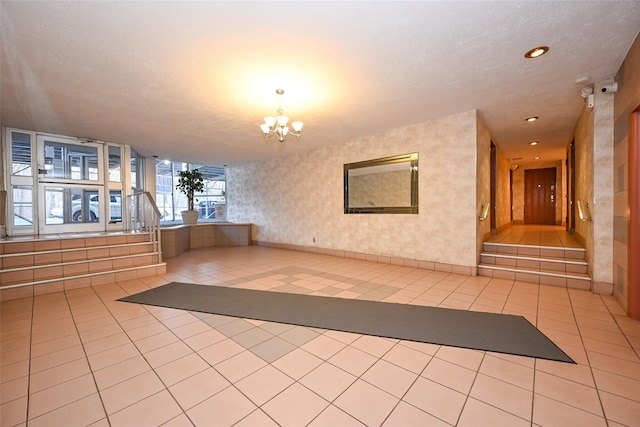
(51, 264)
(544, 265)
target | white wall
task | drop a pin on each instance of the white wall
(294, 199)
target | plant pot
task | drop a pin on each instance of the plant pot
(189, 217)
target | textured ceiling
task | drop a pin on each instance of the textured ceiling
(192, 81)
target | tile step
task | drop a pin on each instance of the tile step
(84, 276)
(534, 258)
(68, 250)
(78, 262)
(535, 251)
(515, 245)
(548, 273)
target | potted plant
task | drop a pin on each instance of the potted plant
(189, 183)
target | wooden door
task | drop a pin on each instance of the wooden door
(540, 196)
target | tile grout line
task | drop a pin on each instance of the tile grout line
(573, 312)
(153, 369)
(84, 350)
(593, 377)
(108, 416)
(33, 308)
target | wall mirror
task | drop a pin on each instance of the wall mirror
(387, 185)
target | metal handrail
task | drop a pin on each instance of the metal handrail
(143, 216)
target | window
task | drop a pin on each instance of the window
(70, 161)
(211, 205)
(22, 205)
(115, 161)
(20, 154)
(137, 172)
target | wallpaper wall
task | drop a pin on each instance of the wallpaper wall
(502, 208)
(602, 210)
(594, 184)
(503, 183)
(583, 136)
(483, 180)
(626, 100)
(299, 198)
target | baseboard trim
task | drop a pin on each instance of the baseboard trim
(383, 259)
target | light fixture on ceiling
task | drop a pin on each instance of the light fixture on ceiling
(532, 118)
(581, 81)
(536, 52)
(536, 158)
(533, 143)
(278, 125)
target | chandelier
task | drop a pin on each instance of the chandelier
(278, 125)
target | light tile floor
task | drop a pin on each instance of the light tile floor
(537, 235)
(83, 358)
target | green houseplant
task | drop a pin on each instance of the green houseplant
(189, 183)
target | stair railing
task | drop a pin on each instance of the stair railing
(144, 217)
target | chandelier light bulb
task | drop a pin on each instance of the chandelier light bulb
(282, 120)
(270, 122)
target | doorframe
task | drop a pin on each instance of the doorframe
(571, 187)
(36, 182)
(492, 189)
(633, 275)
(511, 194)
(42, 181)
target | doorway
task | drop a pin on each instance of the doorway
(571, 188)
(59, 184)
(540, 196)
(492, 192)
(633, 289)
(69, 192)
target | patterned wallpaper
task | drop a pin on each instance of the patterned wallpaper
(626, 100)
(483, 180)
(502, 208)
(297, 198)
(602, 210)
(583, 135)
(594, 184)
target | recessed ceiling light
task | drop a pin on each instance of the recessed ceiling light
(582, 81)
(536, 158)
(534, 143)
(537, 52)
(532, 118)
